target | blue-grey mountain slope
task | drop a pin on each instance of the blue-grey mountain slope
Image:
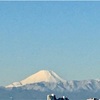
(45, 82)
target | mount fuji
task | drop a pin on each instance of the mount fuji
(45, 82)
(41, 76)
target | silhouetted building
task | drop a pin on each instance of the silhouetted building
(92, 99)
(63, 98)
(53, 97)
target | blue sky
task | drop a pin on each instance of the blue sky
(59, 36)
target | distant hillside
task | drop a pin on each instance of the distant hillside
(42, 83)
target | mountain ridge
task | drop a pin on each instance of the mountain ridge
(48, 80)
(40, 76)
(75, 89)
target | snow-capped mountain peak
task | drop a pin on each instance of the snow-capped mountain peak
(41, 76)
(46, 81)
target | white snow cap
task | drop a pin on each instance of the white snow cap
(41, 76)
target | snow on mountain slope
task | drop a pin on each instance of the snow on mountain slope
(41, 76)
(48, 80)
(45, 82)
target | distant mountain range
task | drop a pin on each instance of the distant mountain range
(44, 82)
(41, 76)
